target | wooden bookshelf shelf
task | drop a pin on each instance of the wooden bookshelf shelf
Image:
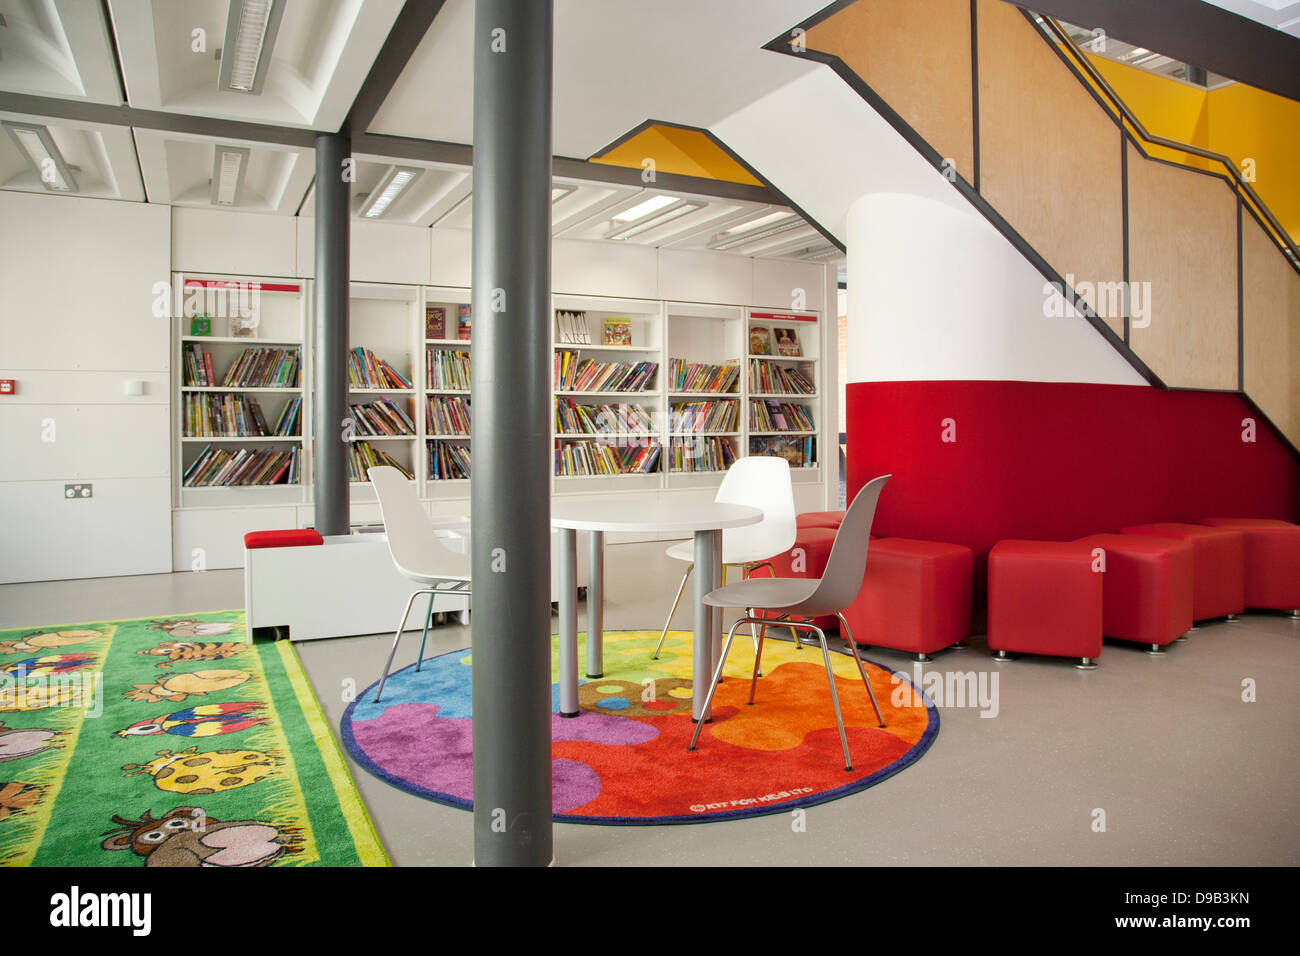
(285, 390)
(239, 340)
(241, 438)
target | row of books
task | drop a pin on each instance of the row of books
(448, 461)
(799, 452)
(571, 328)
(363, 456)
(571, 417)
(233, 415)
(700, 454)
(263, 368)
(772, 379)
(708, 416)
(587, 458)
(699, 377)
(446, 415)
(382, 417)
(368, 370)
(220, 467)
(447, 368)
(772, 416)
(574, 375)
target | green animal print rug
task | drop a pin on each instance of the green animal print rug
(169, 742)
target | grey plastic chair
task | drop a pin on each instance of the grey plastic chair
(417, 553)
(808, 598)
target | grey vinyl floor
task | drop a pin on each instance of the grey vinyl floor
(1163, 750)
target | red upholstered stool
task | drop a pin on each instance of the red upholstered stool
(290, 538)
(1272, 561)
(1147, 588)
(916, 596)
(819, 519)
(807, 559)
(1218, 565)
(1044, 598)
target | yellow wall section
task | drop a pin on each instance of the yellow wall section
(686, 152)
(1237, 120)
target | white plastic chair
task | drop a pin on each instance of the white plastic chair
(417, 552)
(760, 481)
(797, 601)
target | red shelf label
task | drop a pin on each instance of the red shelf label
(783, 316)
(231, 284)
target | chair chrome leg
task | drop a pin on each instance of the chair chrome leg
(677, 600)
(424, 636)
(758, 645)
(853, 645)
(713, 684)
(758, 660)
(396, 637)
(835, 697)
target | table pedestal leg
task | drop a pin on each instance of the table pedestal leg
(596, 607)
(708, 572)
(568, 580)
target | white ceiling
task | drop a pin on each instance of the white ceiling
(617, 64)
(1281, 15)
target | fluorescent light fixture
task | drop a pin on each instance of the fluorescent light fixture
(43, 153)
(1136, 52)
(229, 166)
(653, 204)
(251, 26)
(754, 223)
(559, 192)
(722, 242)
(394, 181)
(660, 214)
(1152, 58)
(820, 253)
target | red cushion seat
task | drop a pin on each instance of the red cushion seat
(806, 559)
(915, 596)
(1272, 560)
(819, 519)
(1218, 565)
(287, 538)
(1146, 587)
(1044, 598)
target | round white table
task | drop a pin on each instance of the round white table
(705, 520)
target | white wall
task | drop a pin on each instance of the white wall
(936, 293)
(76, 324)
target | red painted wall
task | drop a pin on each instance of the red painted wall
(1051, 460)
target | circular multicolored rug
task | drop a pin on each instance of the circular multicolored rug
(625, 761)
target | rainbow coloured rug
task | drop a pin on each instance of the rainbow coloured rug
(624, 759)
(169, 742)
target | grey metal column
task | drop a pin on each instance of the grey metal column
(596, 605)
(330, 385)
(568, 580)
(703, 658)
(510, 425)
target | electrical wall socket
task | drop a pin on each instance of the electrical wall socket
(78, 491)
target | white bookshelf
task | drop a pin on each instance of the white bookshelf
(390, 320)
(278, 320)
(450, 301)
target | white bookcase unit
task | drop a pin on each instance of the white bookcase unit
(658, 439)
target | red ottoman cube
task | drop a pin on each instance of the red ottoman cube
(1272, 561)
(819, 519)
(1044, 598)
(1146, 588)
(807, 559)
(1218, 565)
(916, 596)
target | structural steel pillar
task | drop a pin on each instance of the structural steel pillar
(330, 402)
(510, 475)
